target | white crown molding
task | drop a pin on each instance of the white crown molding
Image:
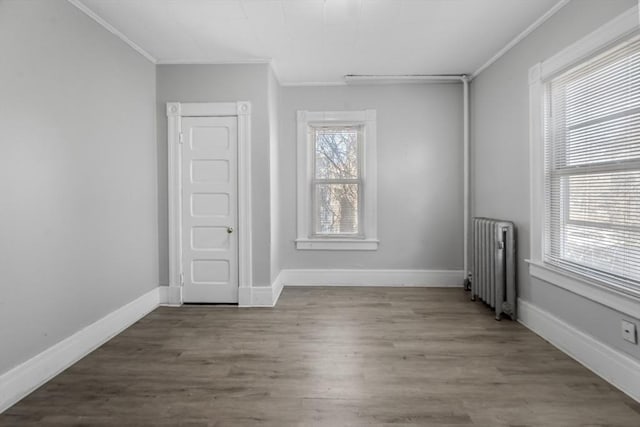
(28, 376)
(91, 14)
(305, 84)
(236, 61)
(228, 61)
(391, 278)
(607, 362)
(240, 61)
(271, 62)
(276, 70)
(531, 28)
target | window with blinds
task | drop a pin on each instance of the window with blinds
(592, 168)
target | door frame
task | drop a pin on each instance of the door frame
(175, 112)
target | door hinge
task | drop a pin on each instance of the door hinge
(181, 279)
(181, 138)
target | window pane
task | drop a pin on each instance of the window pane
(605, 88)
(336, 153)
(612, 251)
(612, 139)
(611, 199)
(603, 231)
(596, 110)
(592, 176)
(337, 208)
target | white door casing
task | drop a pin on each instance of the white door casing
(202, 265)
(209, 209)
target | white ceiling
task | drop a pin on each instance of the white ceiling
(322, 40)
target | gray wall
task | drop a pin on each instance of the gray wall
(220, 83)
(78, 231)
(419, 145)
(500, 152)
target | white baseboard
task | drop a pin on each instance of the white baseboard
(267, 296)
(336, 277)
(276, 288)
(244, 296)
(261, 296)
(614, 366)
(170, 296)
(28, 376)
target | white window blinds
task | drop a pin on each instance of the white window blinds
(592, 168)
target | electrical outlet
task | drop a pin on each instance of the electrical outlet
(629, 332)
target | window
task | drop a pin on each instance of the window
(592, 168)
(336, 180)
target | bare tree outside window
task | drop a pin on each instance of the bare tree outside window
(337, 180)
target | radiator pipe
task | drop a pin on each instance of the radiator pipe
(400, 78)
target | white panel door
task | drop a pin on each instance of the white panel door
(210, 209)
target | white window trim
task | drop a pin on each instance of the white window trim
(369, 240)
(604, 37)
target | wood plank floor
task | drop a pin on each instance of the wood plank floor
(329, 356)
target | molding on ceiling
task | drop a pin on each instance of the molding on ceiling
(302, 84)
(229, 61)
(521, 36)
(276, 71)
(371, 79)
(91, 14)
(255, 61)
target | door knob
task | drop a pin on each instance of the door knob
(229, 230)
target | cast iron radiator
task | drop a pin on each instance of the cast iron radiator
(493, 277)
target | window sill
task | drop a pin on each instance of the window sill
(337, 244)
(590, 289)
